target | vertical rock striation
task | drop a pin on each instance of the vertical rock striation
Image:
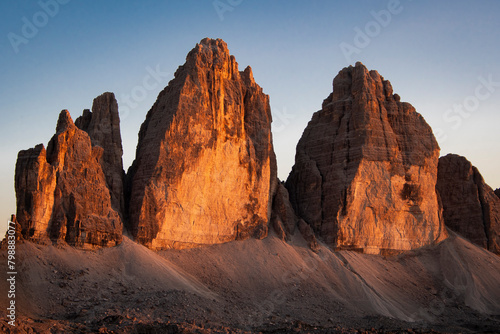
(103, 127)
(470, 207)
(365, 169)
(205, 169)
(62, 193)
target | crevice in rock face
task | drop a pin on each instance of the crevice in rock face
(486, 215)
(346, 165)
(388, 157)
(322, 198)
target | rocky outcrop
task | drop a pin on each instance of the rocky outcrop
(365, 169)
(308, 234)
(35, 183)
(283, 218)
(103, 126)
(205, 169)
(62, 193)
(497, 192)
(470, 207)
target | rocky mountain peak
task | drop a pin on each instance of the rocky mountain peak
(365, 169)
(211, 54)
(205, 169)
(64, 121)
(102, 124)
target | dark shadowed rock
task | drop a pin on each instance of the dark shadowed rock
(61, 192)
(205, 169)
(283, 218)
(365, 169)
(103, 127)
(497, 192)
(470, 207)
(307, 232)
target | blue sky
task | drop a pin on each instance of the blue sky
(441, 56)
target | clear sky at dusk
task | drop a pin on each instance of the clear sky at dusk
(441, 56)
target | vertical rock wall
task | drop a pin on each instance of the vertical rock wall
(365, 169)
(205, 168)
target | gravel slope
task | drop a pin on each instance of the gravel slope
(255, 285)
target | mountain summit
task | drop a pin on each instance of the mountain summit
(205, 168)
(365, 169)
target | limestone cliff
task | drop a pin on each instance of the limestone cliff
(205, 169)
(365, 169)
(470, 207)
(62, 193)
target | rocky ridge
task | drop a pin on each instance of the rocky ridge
(62, 192)
(470, 207)
(365, 169)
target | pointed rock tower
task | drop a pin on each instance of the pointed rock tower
(205, 168)
(103, 127)
(62, 193)
(365, 169)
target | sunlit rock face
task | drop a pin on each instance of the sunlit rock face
(205, 169)
(62, 193)
(365, 169)
(470, 207)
